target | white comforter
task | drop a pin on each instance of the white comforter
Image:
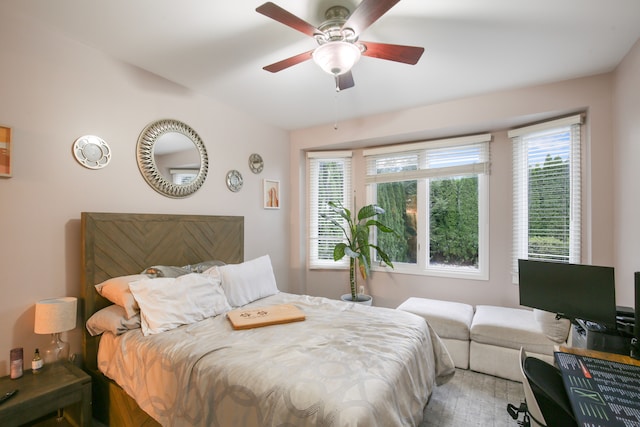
(345, 365)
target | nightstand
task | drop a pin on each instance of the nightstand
(57, 386)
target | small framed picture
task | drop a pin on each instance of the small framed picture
(271, 194)
(5, 152)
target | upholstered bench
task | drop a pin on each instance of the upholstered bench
(489, 339)
(450, 320)
(498, 333)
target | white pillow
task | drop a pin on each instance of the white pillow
(249, 281)
(111, 319)
(556, 330)
(167, 302)
(117, 291)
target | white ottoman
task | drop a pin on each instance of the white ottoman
(497, 333)
(450, 320)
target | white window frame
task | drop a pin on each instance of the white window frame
(183, 176)
(520, 187)
(422, 175)
(314, 159)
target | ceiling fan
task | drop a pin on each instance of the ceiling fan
(339, 47)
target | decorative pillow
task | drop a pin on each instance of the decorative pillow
(203, 266)
(556, 330)
(248, 281)
(167, 302)
(165, 271)
(111, 319)
(117, 291)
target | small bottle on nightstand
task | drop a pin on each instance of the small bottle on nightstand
(36, 363)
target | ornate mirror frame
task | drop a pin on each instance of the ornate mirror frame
(147, 164)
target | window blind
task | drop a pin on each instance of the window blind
(451, 157)
(329, 180)
(547, 192)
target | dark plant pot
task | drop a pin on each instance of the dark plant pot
(362, 299)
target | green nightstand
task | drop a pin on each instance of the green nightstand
(59, 385)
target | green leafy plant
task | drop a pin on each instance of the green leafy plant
(358, 246)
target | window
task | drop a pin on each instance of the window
(546, 192)
(435, 195)
(183, 176)
(329, 180)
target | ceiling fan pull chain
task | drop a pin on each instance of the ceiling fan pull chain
(335, 106)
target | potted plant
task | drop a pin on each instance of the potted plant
(358, 247)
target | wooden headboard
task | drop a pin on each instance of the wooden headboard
(118, 244)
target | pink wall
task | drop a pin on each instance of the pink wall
(52, 91)
(496, 113)
(626, 109)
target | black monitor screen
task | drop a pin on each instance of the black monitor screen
(574, 291)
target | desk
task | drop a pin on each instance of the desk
(603, 391)
(600, 355)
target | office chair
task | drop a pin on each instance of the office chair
(549, 392)
(530, 409)
(546, 402)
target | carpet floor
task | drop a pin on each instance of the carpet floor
(473, 399)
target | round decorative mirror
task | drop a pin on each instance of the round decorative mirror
(91, 152)
(172, 158)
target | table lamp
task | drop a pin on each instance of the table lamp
(53, 316)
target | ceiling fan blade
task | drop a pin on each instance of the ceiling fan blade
(344, 81)
(367, 12)
(289, 62)
(277, 13)
(393, 52)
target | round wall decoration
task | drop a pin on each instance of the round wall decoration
(234, 180)
(165, 149)
(255, 163)
(91, 152)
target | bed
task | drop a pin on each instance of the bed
(344, 365)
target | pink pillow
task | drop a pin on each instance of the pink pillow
(117, 291)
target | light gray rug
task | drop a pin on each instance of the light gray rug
(473, 399)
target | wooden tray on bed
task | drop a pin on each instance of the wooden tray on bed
(265, 316)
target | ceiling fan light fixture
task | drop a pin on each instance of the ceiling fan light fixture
(336, 57)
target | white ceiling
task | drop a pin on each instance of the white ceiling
(218, 48)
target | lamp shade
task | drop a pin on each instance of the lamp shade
(55, 315)
(336, 57)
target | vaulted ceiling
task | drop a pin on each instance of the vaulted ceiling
(218, 48)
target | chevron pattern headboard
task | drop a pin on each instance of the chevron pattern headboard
(117, 244)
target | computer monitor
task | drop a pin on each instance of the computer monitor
(574, 291)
